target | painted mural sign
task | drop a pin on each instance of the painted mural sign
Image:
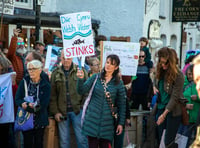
(128, 53)
(186, 11)
(7, 6)
(77, 34)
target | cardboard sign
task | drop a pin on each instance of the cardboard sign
(77, 34)
(128, 54)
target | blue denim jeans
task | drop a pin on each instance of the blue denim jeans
(64, 131)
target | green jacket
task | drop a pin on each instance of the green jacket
(98, 121)
(191, 90)
(58, 101)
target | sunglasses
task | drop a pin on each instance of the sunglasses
(141, 56)
(165, 63)
(20, 43)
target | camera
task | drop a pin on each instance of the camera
(63, 118)
(19, 26)
(36, 105)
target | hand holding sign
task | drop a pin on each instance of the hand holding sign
(80, 74)
(79, 63)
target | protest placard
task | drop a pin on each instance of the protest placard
(128, 53)
(77, 34)
(52, 58)
(6, 99)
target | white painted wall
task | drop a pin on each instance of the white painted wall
(152, 13)
(126, 18)
(118, 18)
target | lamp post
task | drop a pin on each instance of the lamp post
(37, 20)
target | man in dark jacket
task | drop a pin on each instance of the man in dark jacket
(66, 103)
(142, 85)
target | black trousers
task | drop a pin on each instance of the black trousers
(33, 138)
(98, 143)
(4, 135)
(139, 99)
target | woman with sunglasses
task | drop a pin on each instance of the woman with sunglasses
(170, 86)
(98, 123)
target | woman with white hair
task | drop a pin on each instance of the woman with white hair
(39, 89)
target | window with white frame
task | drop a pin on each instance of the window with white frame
(25, 4)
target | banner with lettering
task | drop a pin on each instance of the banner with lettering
(77, 34)
(128, 54)
(6, 99)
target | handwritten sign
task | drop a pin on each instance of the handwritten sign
(77, 34)
(128, 53)
(52, 58)
(7, 6)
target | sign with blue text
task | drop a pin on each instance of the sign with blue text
(6, 99)
(77, 34)
(128, 54)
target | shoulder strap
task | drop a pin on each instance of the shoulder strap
(25, 88)
(91, 90)
(109, 100)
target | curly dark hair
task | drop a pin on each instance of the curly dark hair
(171, 73)
(115, 61)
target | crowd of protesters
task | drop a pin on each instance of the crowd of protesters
(63, 95)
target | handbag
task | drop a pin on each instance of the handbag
(113, 108)
(87, 101)
(185, 115)
(24, 119)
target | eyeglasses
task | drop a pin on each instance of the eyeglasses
(141, 56)
(96, 65)
(20, 43)
(32, 69)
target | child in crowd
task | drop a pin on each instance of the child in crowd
(143, 45)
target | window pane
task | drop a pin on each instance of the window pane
(22, 1)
